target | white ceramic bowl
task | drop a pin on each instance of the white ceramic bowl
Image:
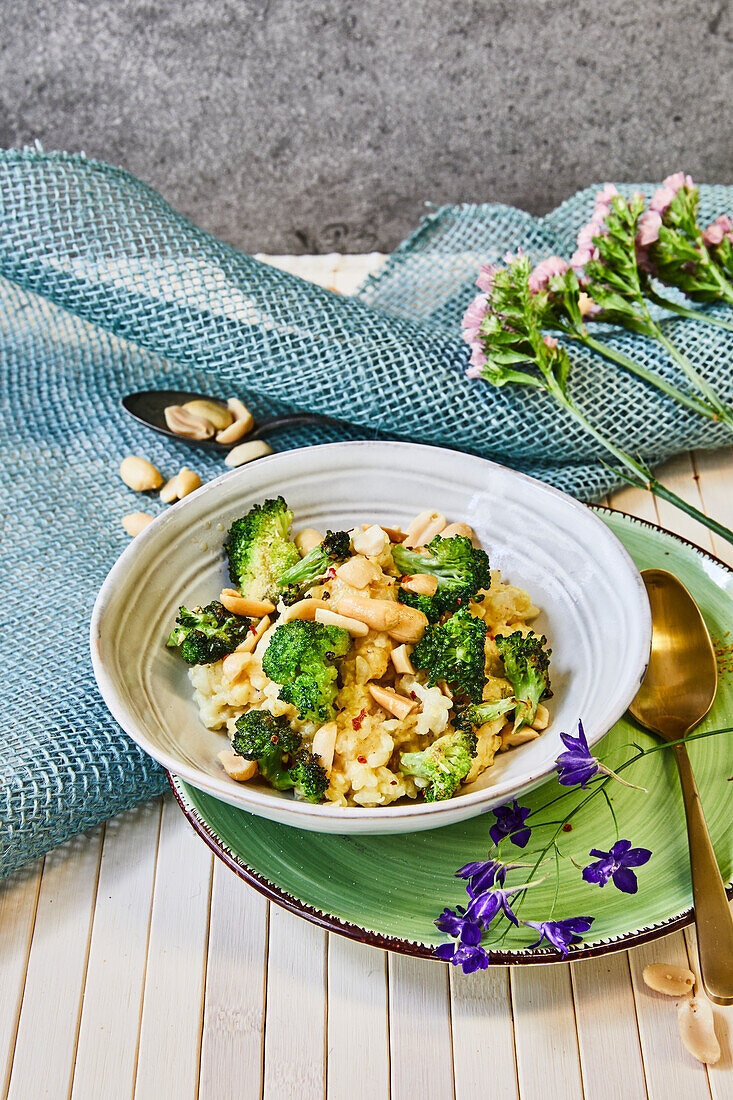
(595, 610)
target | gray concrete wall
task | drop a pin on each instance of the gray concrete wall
(290, 126)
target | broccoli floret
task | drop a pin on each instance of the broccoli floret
(260, 736)
(526, 665)
(475, 715)
(207, 634)
(454, 652)
(259, 549)
(336, 546)
(445, 764)
(309, 776)
(459, 568)
(300, 657)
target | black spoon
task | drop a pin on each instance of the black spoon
(148, 407)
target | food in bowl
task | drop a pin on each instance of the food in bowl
(363, 667)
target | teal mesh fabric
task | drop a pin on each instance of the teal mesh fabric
(104, 289)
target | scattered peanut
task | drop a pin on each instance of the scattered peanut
(401, 659)
(242, 423)
(237, 767)
(675, 981)
(183, 422)
(185, 482)
(247, 452)
(370, 542)
(454, 529)
(234, 664)
(422, 584)
(399, 705)
(541, 718)
(358, 572)
(424, 528)
(331, 618)
(324, 744)
(215, 413)
(522, 736)
(136, 522)
(697, 1029)
(255, 633)
(403, 623)
(139, 474)
(244, 605)
(307, 540)
(304, 609)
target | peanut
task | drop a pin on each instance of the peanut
(401, 659)
(389, 700)
(188, 424)
(237, 767)
(242, 424)
(454, 529)
(697, 1029)
(247, 452)
(405, 624)
(358, 572)
(136, 522)
(307, 540)
(541, 718)
(424, 528)
(185, 482)
(330, 618)
(394, 534)
(304, 609)
(139, 474)
(255, 633)
(244, 605)
(423, 584)
(324, 744)
(234, 664)
(216, 414)
(674, 981)
(523, 735)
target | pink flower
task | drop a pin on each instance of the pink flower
(478, 355)
(544, 271)
(485, 280)
(677, 181)
(509, 257)
(663, 196)
(720, 228)
(581, 257)
(649, 224)
(550, 341)
(473, 317)
(603, 198)
(474, 372)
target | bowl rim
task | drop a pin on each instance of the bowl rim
(351, 815)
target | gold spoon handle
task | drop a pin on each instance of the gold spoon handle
(712, 912)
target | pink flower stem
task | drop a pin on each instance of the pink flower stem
(724, 413)
(692, 314)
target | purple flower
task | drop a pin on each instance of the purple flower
(577, 765)
(560, 933)
(616, 864)
(510, 822)
(717, 230)
(467, 952)
(452, 921)
(483, 874)
(648, 229)
(540, 277)
(485, 278)
(487, 906)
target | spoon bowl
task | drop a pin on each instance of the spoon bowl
(676, 693)
(148, 408)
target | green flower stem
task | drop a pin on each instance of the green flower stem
(654, 379)
(634, 472)
(724, 413)
(691, 314)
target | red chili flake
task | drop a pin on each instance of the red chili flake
(359, 720)
(393, 783)
(362, 759)
(567, 827)
(413, 695)
(253, 628)
(331, 572)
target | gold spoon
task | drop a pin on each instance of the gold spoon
(676, 693)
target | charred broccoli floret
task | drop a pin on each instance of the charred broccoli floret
(445, 764)
(259, 549)
(526, 664)
(207, 634)
(260, 736)
(454, 652)
(459, 568)
(301, 658)
(475, 715)
(336, 547)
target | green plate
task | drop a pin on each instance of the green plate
(388, 890)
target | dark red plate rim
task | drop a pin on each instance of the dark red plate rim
(419, 950)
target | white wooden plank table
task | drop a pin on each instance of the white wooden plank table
(132, 965)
